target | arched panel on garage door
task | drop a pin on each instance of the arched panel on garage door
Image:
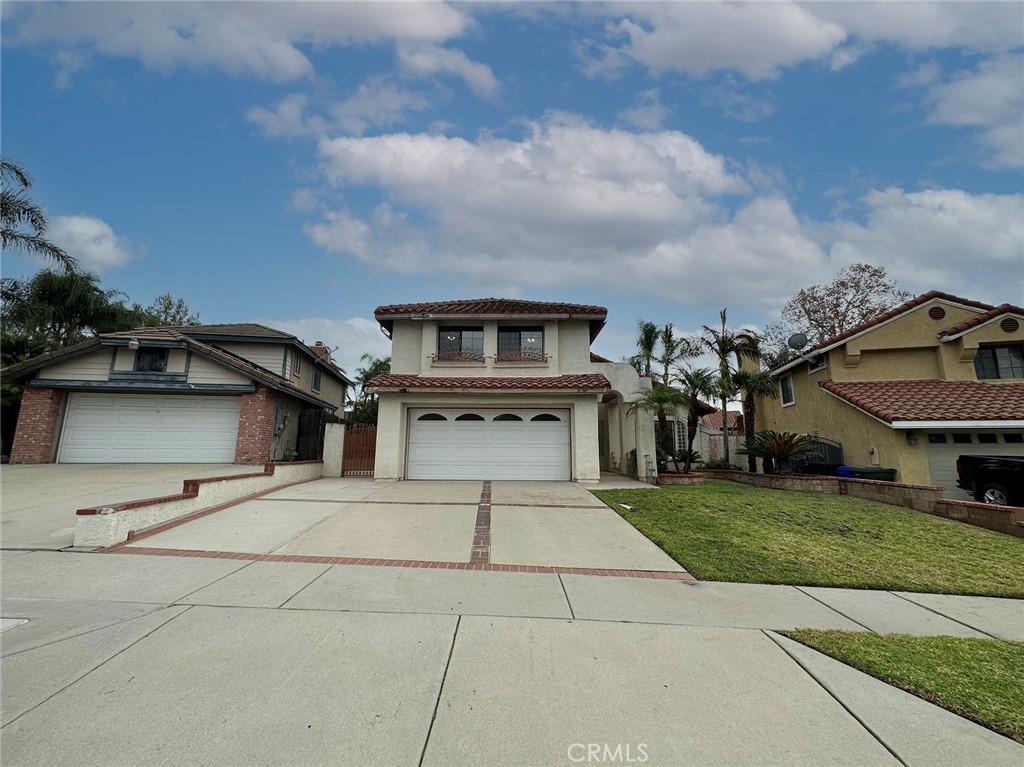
(475, 445)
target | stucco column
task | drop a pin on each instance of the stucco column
(334, 449)
(588, 459)
(389, 437)
(615, 434)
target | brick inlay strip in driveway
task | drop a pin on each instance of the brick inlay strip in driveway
(670, 575)
(480, 554)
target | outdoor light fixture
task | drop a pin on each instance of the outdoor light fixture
(133, 344)
(911, 438)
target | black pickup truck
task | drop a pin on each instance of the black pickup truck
(992, 479)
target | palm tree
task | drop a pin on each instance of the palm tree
(646, 341)
(17, 211)
(375, 367)
(724, 343)
(781, 447)
(659, 399)
(695, 383)
(754, 384)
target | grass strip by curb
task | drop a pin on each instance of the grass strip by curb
(978, 679)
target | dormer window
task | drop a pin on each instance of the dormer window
(460, 343)
(150, 360)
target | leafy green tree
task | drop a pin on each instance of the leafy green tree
(168, 310)
(724, 343)
(753, 384)
(366, 405)
(695, 384)
(22, 222)
(781, 447)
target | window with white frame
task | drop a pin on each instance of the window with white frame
(816, 363)
(786, 390)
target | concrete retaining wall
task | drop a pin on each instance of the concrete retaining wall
(108, 525)
(925, 498)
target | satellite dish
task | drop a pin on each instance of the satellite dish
(797, 341)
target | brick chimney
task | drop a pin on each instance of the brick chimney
(321, 351)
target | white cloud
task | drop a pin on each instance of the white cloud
(647, 113)
(349, 339)
(944, 239)
(427, 60)
(93, 242)
(756, 39)
(990, 99)
(254, 39)
(377, 103)
(570, 204)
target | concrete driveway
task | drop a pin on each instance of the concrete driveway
(38, 502)
(508, 524)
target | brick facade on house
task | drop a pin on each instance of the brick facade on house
(256, 427)
(38, 419)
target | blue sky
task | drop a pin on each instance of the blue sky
(300, 164)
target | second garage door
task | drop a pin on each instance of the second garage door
(489, 444)
(143, 428)
(945, 447)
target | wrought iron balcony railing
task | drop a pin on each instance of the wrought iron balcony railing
(522, 355)
(458, 355)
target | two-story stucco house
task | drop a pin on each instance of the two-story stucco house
(504, 389)
(199, 394)
(913, 388)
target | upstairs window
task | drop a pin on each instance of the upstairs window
(786, 390)
(524, 344)
(150, 360)
(999, 362)
(817, 362)
(317, 378)
(459, 344)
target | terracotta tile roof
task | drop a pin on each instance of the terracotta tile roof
(587, 382)
(978, 319)
(714, 420)
(598, 358)
(486, 306)
(931, 400)
(911, 304)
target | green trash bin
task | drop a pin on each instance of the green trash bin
(872, 472)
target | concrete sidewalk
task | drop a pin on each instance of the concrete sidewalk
(135, 659)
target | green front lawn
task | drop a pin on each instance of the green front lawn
(979, 679)
(726, 531)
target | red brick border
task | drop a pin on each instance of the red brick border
(480, 554)
(668, 575)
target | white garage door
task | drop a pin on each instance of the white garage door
(489, 444)
(143, 428)
(945, 447)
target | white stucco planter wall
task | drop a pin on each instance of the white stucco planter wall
(107, 526)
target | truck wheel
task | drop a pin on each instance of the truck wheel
(995, 494)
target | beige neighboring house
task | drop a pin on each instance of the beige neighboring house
(241, 393)
(709, 437)
(504, 389)
(912, 389)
